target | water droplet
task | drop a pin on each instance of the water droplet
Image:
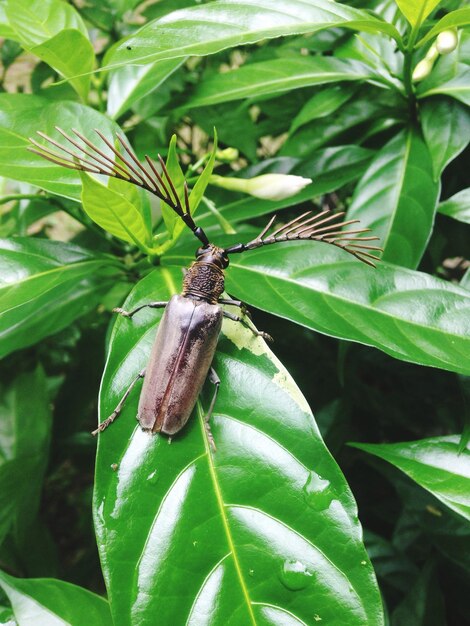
(317, 618)
(363, 562)
(152, 477)
(114, 467)
(195, 544)
(318, 492)
(251, 572)
(294, 575)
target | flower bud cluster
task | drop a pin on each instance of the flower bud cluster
(446, 42)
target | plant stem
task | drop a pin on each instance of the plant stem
(408, 70)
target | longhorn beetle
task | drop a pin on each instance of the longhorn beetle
(186, 340)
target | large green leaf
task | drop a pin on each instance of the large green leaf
(54, 31)
(21, 116)
(46, 285)
(446, 129)
(410, 315)
(24, 441)
(397, 198)
(276, 76)
(330, 169)
(262, 531)
(436, 464)
(458, 206)
(114, 212)
(49, 602)
(207, 29)
(416, 11)
(130, 83)
(457, 87)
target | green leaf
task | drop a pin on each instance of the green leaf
(457, 87)
(276, 76)
(6, 31)
(128, 84)
(176, 175)
(458, 206)
(49, 602)
(114, 212)
(446, 129)
(397, 198)
(330, 169)
(409, 315)
(37, 21)
(24, 444)
(433, 463)
(54, 31)
(70, 53)
(225, 24)
(416, 11)
(249, 534)
(322, 104)
(45, 286)
(460, 17)
(21, 116)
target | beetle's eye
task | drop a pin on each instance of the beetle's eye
(199, 252)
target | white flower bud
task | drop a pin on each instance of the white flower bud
(422, 70)
(266, 186)
(432, 53)
(446, 42)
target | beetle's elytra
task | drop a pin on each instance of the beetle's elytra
(184, 347)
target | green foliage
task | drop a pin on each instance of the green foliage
(264, 530)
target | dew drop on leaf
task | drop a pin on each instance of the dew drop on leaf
(152, 477)
(294, 575)
(318, 492)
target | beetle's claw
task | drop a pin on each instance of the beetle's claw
(266, 336)
(121, 312)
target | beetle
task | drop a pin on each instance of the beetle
(185, 344)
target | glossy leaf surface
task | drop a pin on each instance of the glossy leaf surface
(54, 31)
(46, 285)
(460, 17)
(113, 211)
(128, 84)
(322, 288)
(397, 198)
(458, 206)
(262, 531)
(457, 87)
(21, 116)
(416, 11)
(275, 76)
(435, 464)
(446, 130)
(49, 602)
(228, 23)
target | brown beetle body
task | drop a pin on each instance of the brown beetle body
(179, 362)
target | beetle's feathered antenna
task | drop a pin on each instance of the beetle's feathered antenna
(125, 166)
(325, 226)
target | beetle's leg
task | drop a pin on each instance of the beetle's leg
(152, 305)
(109, 420)
(258, 333)
(241, 305)
(216, 381)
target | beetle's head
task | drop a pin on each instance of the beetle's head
(212, 254)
